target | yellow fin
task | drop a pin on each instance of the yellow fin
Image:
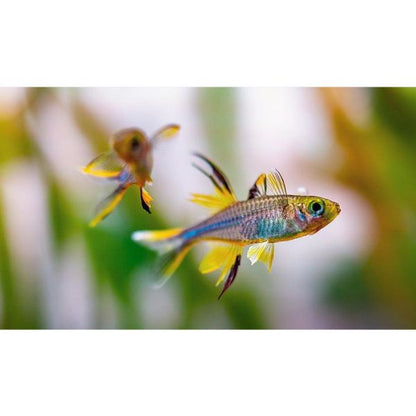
(151, 236)
(220, 257)
(277, 183)
(215, 202)
(145, 199)
(173, 263)
(166, 132)
(259, 188)
(109, 204)
(223, 195)
(263, 252)
(106, 165)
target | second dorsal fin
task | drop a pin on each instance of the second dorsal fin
(273, 181)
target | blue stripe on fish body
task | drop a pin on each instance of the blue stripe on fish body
(209, 227)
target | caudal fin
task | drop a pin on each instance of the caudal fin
(170, 244)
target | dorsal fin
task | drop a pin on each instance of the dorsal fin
(223, 194)
(272, 181)
(277, 183)
(259, 188)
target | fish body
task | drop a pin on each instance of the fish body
(266, 218)
(128, 163)
(258, 222)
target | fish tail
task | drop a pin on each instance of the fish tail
(108, 204)
(172, 246)
(159, 240)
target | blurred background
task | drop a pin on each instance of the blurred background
(353, 146)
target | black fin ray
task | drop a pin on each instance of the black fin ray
(231, 275)
(217, 177)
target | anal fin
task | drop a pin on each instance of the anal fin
(231, 275)
(221, 257)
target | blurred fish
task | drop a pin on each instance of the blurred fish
(258, 222)
(128, 163)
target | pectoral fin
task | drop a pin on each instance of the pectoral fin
(166, 133)
(263, 252)
(106, 165)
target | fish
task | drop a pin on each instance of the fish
(269, 215)
(128, 163)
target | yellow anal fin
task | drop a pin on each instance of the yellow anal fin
(109, 204)
(220, 257)
(105, 165)
(215, 202)
(263, 252)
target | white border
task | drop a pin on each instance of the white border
(161, 43)
(184, 43)
(207, 372)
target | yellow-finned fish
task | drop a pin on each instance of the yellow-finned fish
(129, 162)
(259, 221)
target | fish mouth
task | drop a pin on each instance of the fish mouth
(338, 208)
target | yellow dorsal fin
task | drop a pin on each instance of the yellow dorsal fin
(277, 183)
(220, 257)
(263, 252)
(223, 194)
(215, 202)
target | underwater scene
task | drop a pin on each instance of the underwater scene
(207, 208)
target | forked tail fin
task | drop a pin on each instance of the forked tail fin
(170, 244)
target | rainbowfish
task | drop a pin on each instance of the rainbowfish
(269, 215)
(129, 163)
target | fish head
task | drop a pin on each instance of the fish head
(133, 147)
(316, 212)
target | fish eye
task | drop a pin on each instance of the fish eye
(135, 144)
(316, 207)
